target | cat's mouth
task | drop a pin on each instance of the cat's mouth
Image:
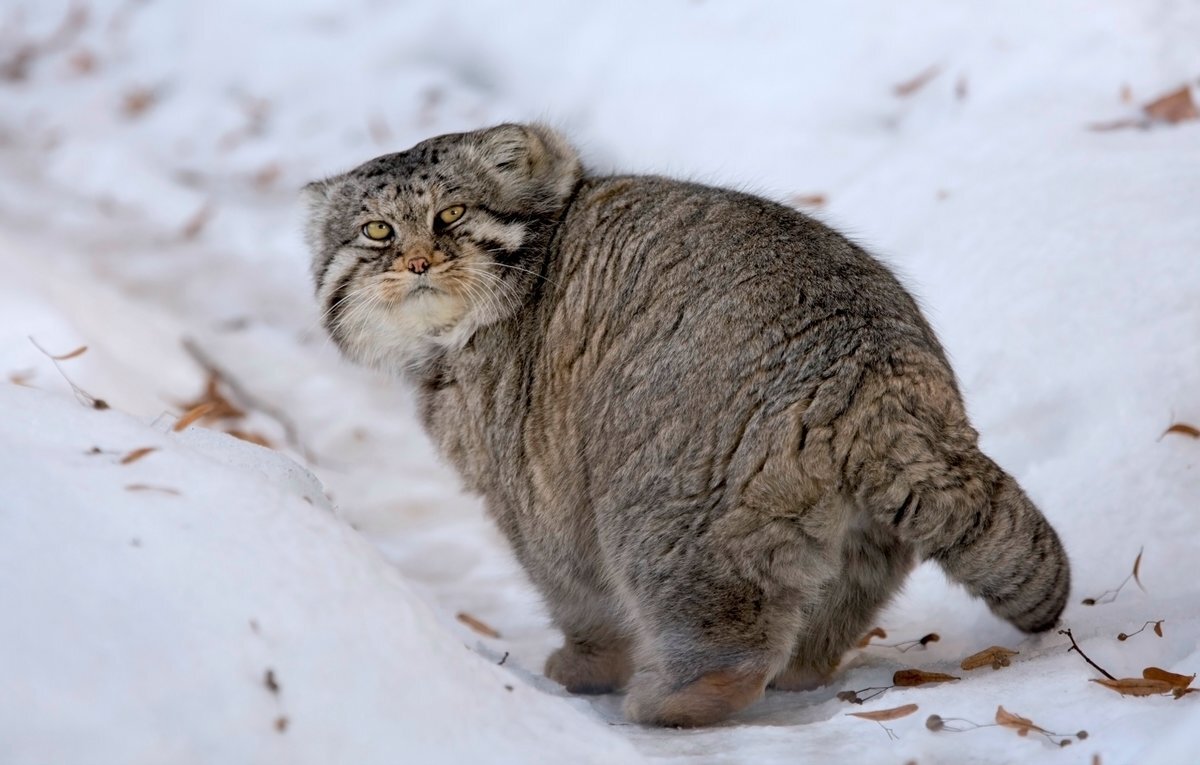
(401, 288)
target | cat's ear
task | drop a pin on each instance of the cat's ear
(318, 193)
(537, 155)
(317, 198)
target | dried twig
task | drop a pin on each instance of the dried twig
(1075, 647)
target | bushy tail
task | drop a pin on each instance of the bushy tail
(976, 522)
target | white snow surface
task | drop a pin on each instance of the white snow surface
(1060, 266)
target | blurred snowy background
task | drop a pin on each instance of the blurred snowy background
(1031, 169)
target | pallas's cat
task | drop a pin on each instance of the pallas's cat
(717, 433)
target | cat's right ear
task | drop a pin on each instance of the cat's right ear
(319, 192)
(317, 197)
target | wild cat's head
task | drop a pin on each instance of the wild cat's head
(415, 251)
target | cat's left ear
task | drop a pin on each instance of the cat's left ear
(537, 155)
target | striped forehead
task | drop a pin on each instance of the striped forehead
(410, 179)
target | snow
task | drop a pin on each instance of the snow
(1058, 264)
(159, 612)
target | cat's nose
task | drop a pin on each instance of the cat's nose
(418, 265)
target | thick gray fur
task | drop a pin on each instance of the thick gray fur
(717, 433)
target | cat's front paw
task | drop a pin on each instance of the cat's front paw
(801, 679)
(587, 668)
(711, 698)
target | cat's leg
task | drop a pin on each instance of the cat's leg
(589, 663)
(596, 655)
(874, 565)
(717, 611)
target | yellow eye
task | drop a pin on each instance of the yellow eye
(377, 230)
(451, 214)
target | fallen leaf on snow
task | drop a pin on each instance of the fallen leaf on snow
(1022, 725)
(252, 437)
(996, 656)
(137, 101)
(883, 715)
(1183, 429)
(1174, 107)
(908, 87)
(907, 678)
(137, 454)
(222, 407)
(148, 487)
(480, 627)
(77, 352)
(1136, 686)
(192, 415)
(809, 200)
(1177, 681)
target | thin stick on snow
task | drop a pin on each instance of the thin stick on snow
(1075, 647)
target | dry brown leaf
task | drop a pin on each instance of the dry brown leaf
(1176, 681)
(883, 715)
(1183, 429)
(907, 678)
(1174, 107)
(996, 656)
(1135, 686)
(1158, 628)
(222, 407)
(1137, 564)
(192, 228)
(1022, 725)
(137, 101)
(148, 487)
(809, 200)
(876, 632)
(265, 176)
(22, 377)
(73, 354)
(82, 62)
(192, 415)
(137, 454)
(908, 87)
(480, 627)
(251, 436)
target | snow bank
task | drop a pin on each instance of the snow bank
(146, 603)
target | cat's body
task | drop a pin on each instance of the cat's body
(717, 433)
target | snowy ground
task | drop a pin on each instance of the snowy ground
(149, 157)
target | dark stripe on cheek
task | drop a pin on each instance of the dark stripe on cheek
(328, 259)
(337, 299)
(493, 247)
(509, 218)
